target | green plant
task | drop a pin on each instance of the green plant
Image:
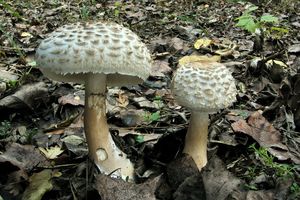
(11, 40)
(118, 8)
(250, 186)
(9, 9)
(251, 172)
(281, 170)
(12, 84)
(268, 164)
(30, 134)
(5, 129)
(139, 138)
(187, 18)
(84, 13)
(152, 117)
(265, 23)
(295, 189)
(158, 101)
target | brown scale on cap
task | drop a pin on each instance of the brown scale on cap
(81, 43)
(90, 52)
(126, 42)
(115, 40)
(69, 40)
(87, 37)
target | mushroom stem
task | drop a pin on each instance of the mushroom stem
(196, 138)
(102, 149)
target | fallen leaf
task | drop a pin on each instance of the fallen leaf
(146, 136)
(160, 68)
(122, 99)
(224, 52)
(179, 169)
(265, 134)
(71, 99)
(295, 48)
(51, 152)
(191, 189)
(7, 75)
(253, 195)
(197, 58)
(117, 189)
(132, 117)
(25, 157)
(26, 34)
(202, 43)
(39, 184)
(145, 103)
(28, 96)
(216, 180)
(271, 63)
(2, 87)
(73, 139)
(178, 44)
(15, 181)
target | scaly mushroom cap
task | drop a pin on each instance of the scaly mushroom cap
(103, 47)
(204, 86)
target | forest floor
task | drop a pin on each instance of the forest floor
(253, 146)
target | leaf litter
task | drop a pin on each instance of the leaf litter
(145, 121)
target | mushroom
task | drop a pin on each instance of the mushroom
(98, 55)
(204, 87)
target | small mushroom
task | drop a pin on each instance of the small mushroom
(97, 54)
(204, 88)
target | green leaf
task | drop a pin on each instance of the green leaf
(251, 9)
(117, 4)
(32, 63)
(116, 13)
(155, 116)
(269, 18)
(247, 22)
(243, 20)
(139, 138)
(280, 30)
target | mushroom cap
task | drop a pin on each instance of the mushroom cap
(73, 50)
(204, 86)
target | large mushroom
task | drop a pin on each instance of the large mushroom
(204, 87)
(97, 54)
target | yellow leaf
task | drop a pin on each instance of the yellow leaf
(277, 63)
(202, 43)
(52, 152)
(224, 52)
(122, 100)
(25, 34)
(39, 184)
(195, 58)
(56, 174)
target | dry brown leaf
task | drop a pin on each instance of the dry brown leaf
(122, 99)
(160, 68)
(72, 99)
(265, 134)
(116, 189)
(28, 96)
(25, 157)
(218, 181)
